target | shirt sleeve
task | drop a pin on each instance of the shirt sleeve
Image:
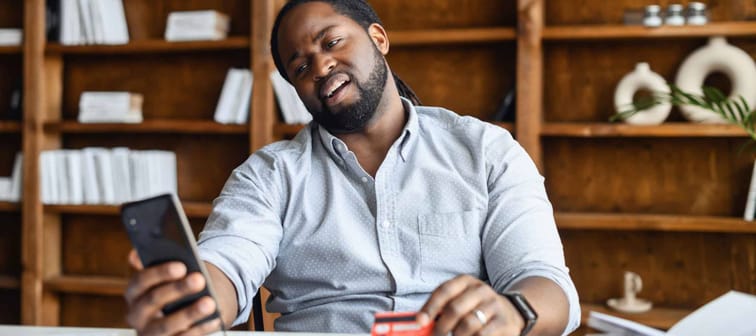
(242, 234)
(520, 238)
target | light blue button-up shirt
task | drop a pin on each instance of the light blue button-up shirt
(453, 196)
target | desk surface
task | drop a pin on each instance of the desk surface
(7, 330)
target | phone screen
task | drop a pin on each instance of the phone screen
(160, 232)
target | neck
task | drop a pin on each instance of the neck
(372, 143)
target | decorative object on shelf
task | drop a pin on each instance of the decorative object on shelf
(750, 206)
(716, 56)
(642, 78)
(233, 104)
(652, 16)
(630, 303)
(11, 37)
(110, 107)
(697, 14)
(90, 22)
(200, 25)
(674, 15)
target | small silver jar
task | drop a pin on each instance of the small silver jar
(674, 15)
(652, 16)
(697, 14)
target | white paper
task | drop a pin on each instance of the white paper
(732, 314)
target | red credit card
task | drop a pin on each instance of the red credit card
(399, 324)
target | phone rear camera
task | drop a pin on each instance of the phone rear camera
(132, 221)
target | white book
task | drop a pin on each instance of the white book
(116, 29)
(197, 25)
(85, 15)
(5, 189)
(89, 176)
(110, 107)
(45, 169)
(242, 111)
(61, 176)
(103, 164)
(229, 98)
(97, 23)
(17, 181)
(121, 175)
(69, 30)
(750, 206)
(292, 108)
(74, 176)
(11, 37)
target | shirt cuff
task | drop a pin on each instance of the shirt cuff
(209, 251)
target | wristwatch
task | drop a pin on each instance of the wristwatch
(526, 310)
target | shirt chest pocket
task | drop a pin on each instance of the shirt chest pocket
(449, 245)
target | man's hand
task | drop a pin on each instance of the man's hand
(152, 288)
(467, 306)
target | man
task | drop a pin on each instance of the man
(378, 205)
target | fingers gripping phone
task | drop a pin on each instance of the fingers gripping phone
(160, 232)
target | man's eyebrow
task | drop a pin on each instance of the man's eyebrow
(315, 39)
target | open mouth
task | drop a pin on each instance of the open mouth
(332, 90)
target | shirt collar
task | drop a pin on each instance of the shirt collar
(338, 148)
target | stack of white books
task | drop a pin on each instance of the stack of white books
(10, 37)
(233, 104)
(110, 107)
(105, 176)
(10, 187)
(292, 108)
(197, 26)
(93, 22)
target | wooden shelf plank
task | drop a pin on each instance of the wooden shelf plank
(11, 50)
(660, 318)
(451, 36)
(677, 129)
(87, 284)
(10, 206)
(9, 282)
(192, 209)
(151, 46)
(650, 222)
(148, 126)
(10, 127)
(287, 130)
(603, 32)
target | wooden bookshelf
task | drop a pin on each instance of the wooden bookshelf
(151, 46)
(192, 209)
(650, 222)
(657, 317)
(10, 127)
(282, 130)
(9, 206)
(9, 282)
(175, 126)
(615, 32)
(451, 36)
(10, 50)
(109, 286)
(670, 130)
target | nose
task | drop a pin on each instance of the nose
(324, 64)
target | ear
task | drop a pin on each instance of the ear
(379, 37)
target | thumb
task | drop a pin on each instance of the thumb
(134, 260)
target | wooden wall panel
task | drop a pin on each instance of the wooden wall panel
(147, 18)
(11, 14)
(694, 176)
(611, 12)
(92, 311)
(580, 77)
(10, 68)
(10, 144)
(185, 86)
(10, 300)
(204, 161)
(470, 79)
(682, 270)
(403, 15)
(98, 245)
(10, 244)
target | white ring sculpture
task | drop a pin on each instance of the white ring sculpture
(642, 78)
(716, 56)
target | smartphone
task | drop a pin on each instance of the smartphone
(160, 232)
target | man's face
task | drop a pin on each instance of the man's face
(336, 68)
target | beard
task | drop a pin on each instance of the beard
(355, 117)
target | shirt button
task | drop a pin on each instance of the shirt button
(364, 179)
(386, 224)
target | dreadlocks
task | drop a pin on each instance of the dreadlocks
(357, 10)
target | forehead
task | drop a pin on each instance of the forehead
(305, 21)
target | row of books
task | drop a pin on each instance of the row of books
(11, 37)
(197, 26)
(233, 104)
(110, 107)
(91, 22)
(10, 187)
(106, 176)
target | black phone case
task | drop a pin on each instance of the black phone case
(155, 229)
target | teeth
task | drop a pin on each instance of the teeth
(335, 87)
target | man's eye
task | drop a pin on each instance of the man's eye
(301, 69)
(333, 43)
